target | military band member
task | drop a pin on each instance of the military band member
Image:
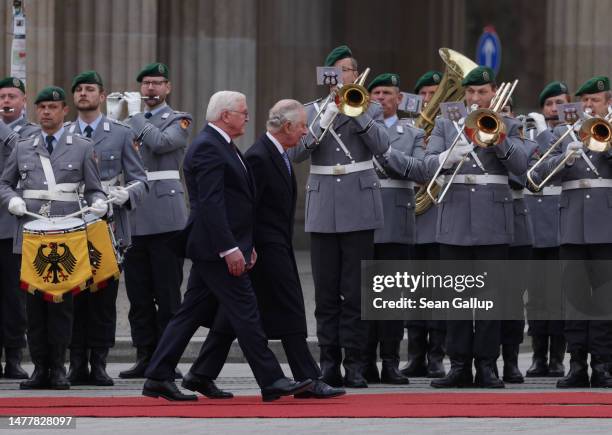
(547, 339)
(343, 208)
(95, 313)
(153, 272)
(584, 235)
(475, 221)
(397, 170)
(426, 337)
(13, 126)
(72, 162)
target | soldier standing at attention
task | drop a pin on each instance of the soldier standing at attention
(153, 272)
(95, 313)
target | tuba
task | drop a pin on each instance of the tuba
(457, 68)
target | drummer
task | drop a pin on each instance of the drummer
(50, 167)
(95, 313)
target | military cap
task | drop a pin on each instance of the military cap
(88, 77)
(430, 78)
(338, 53)
(51, 93)
(553, 89)
(153, 70)
(481, 75)
(385, 79)
(594, 85)
(12, 82)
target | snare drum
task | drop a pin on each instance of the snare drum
(54, 257)
(103, 256)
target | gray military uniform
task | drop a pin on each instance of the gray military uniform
(349, 202)
(72, 161)
(403, 162)
(477, 214)
(523, 225)
(163, 141)
(119, 164)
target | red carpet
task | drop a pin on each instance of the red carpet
(570, 405)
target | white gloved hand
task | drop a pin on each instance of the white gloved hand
(134, 102)
(540, 121)
(572, 152)
(17, 206)
(328, 116)
(119, 194)
(455, 155)
(99, 208)
(114, 105)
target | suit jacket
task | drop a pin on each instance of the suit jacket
(275, 276)
(118, 158)
(222, 199)
(477, 214)
(164, 139)
(349, 202)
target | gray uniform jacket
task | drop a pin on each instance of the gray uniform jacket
(163, 142)
(523, 227)
(544, 209)
(119, 164)
(71, 162)
(473, 215)
(584, 213)
(8, 138)
(403, 162)
(349, 202)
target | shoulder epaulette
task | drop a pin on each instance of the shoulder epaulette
(121, 123)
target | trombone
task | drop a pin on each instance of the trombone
(121, 96)
(484, 127)
(594, 133)
(352, 100)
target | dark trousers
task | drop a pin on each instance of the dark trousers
(426, 252)
(479, 339)
(541, 327)
(592, 336)
(512, 331)
(95, 317)
(49, 324)
(12, 300)
(153, 277)
(336, 270)
(212, 288)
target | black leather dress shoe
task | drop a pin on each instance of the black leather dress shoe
(320, 390)
(283, 387)
(166, 389)
(204, 386)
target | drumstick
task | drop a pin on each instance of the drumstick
(37, 216)
(109, 200)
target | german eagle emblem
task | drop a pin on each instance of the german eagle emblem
(54, 264)
(95, 257)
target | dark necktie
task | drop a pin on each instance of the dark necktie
(88, 131)
(148, 115)
(287, 162)
(49, 140)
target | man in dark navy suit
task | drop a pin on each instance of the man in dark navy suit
(219, 240)
(275, 277)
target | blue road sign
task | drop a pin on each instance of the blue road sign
(488, 49)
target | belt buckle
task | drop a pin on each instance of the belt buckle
(584, 184)
(339, 170)
(470, 179)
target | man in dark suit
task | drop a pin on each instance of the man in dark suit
(218, 239)
(275, 277)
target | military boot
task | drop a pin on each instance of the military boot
(417, 347)
(330, 359)
(389, 353)
(98, 375)
(13, 369)
(143, 356)
(459, 375)
(539, 365)
(78, 372)
(57, 369)
(512, 374)
(558, 345)
(578, 376)
(353, 369)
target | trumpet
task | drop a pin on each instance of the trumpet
(594, 133)
(352, 100)
(483, 127)
(121, 96)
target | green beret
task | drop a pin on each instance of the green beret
(88, 77)
(430, 78)
(386, 79)
(12, 82)
(51, 93)
(481, 75)
(337, 54)
(594, 85)
(156, 69)
(553, 89)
